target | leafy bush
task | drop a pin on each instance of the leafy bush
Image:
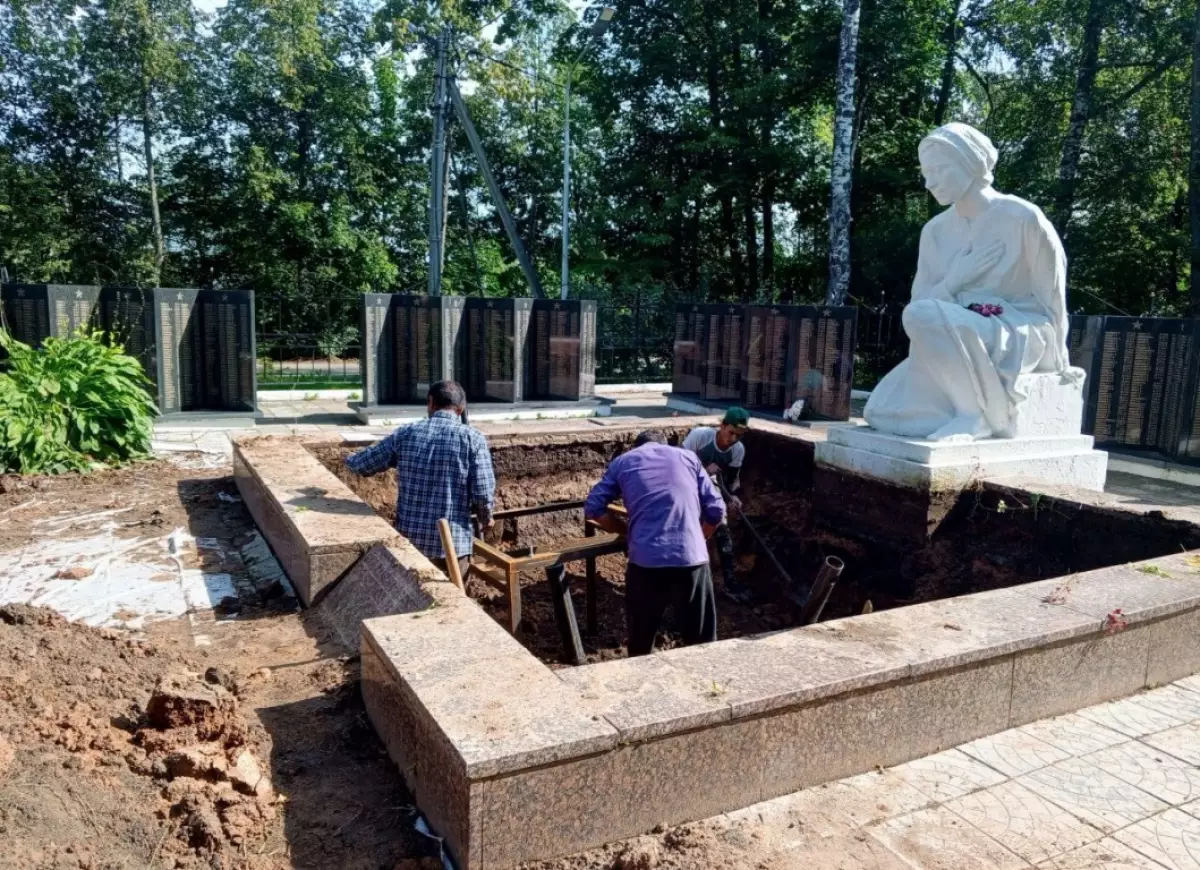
(336, 340)
(72, 404)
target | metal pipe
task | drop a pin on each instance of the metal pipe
(822, 588)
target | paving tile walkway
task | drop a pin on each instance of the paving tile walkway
(1110, 787)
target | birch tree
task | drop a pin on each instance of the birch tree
(843, 157)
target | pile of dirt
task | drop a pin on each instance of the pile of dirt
(117, 753)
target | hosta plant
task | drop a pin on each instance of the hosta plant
(71, 405)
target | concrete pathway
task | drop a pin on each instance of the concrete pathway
(1115, 786)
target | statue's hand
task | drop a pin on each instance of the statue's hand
(968, 268)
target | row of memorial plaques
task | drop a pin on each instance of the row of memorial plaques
(504, 350)
(767, 357)
(196, 346)
(1143, 381)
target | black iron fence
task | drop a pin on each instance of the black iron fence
(309, 344)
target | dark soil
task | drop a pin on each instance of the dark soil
(528, 475)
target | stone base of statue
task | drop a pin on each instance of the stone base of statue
(1046, 445)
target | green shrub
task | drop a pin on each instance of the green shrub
(72, 404)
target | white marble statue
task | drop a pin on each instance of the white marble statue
(999, 255)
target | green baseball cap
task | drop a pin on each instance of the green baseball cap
(737, 417)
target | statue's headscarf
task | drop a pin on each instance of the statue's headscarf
(974, 151)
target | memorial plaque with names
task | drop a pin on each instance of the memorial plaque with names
(497, 338)
(821, 359)
(35, 312)
(687, 377)
(722, 352)
(768, 340)
(205, 351)
(563, 349)
(126, 315)
(410, 343)
(1143, 379)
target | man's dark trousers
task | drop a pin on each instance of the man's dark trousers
(650, 591)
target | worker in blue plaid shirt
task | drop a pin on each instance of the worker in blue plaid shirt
(444, 469)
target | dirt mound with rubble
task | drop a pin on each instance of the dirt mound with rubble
(115, 753)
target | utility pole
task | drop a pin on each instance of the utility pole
(566, 191)
(597, 30)
(437, 174)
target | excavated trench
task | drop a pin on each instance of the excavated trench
(991, 537)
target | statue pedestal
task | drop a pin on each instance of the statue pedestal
(939, 466)
(1051, 407)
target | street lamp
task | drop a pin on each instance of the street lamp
(598, 27)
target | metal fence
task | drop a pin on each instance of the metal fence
(316, 344)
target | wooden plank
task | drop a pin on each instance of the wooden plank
(513, 575)
(549, 508)
(451, 556)
(492, 554)
(572, 550)
(494, 576)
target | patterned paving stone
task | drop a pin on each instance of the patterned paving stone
(1152, 770)
(1171, 838)
(1179, 704)
(948, 775)
(1182, 742)
(1026, 823)
(1192, 684)
(1087, 792)
(937, 839)
(1074, 734)
(1129, 717)
(858, 852)
(836, 809)
(1105, 855)
(1014, 752)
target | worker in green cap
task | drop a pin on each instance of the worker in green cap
(721, 452)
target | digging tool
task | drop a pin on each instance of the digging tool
(451, 556)
(812, 604)
(789, 584)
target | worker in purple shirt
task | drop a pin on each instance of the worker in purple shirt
(673, 507)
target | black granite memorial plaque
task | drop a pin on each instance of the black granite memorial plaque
(563, 349)
(205, 347)
(126, 315)
(35, 312)
(497, 339)
(409, 344)
(821, 360)
(687, 375)
(1143, 379)
(722, 352)
(768, 340)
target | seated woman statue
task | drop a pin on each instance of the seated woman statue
(988, 303)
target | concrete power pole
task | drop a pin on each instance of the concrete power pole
(437, 169)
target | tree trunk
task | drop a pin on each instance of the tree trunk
(1194, 171)
(151, 182)
(750, 224)
(843, 148)
(1081, 111)
(747, 170)
(720, 162)
(946, 90)
(120, 162)
(767, 60)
